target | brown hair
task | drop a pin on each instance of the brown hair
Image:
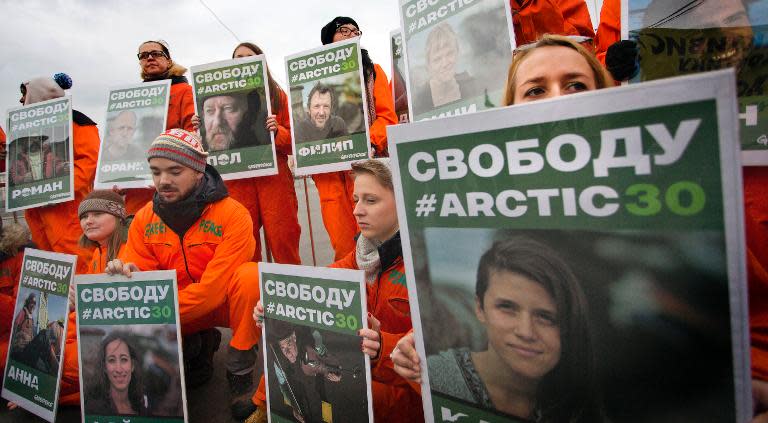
(114, 242)
(602, 78)
(378, 169)
(274, 90)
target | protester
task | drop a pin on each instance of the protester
(379, 253)
(335, 188)
(105, 227)
(532, 19)
(192, 227)
(55, 227)
(119, 390)
(14, 238)
(156, 65)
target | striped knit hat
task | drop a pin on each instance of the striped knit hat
(180, 146)
(103, 200)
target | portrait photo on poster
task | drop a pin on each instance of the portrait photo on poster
(329, 108)
(597, 324)
(39, 157)
(130, 132)
(38, 330)
(234, 120)
(131, 371)
(314, 375)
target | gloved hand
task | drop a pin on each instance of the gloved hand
(623, 60)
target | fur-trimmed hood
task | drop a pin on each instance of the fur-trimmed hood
(13, 238)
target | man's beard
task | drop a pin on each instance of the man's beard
(225, 140)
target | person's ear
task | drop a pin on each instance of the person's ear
(479, 312)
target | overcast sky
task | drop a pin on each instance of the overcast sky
(95, 41)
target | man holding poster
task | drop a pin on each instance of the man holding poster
(193, 227)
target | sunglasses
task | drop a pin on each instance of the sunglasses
(156, 54)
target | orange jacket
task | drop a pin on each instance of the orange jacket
(394, 400)
(609, 29)
(534, 18)
(57, 227)
(2, 148)
(756, 222)
(215, 245)
(99, 259)
(385, 112)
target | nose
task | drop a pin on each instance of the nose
(359, 209)
(524, 328)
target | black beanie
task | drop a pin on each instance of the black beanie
(326, 34)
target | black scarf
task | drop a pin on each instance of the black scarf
(181, 215)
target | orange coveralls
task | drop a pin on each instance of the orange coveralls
(756, 223)
(335, 188)
(181, 108)
(609, 29)
(10, 271)
(533, 18)
(271, 200)
(57, 227)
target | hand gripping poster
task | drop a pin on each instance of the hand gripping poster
(678, 37)
(329, 108)
(39, 327)
(457, 54)
(136, 115)
(399, 88)
(129, 350)
(39, 161)
(315, 371)
(580, 259)
(232, 99)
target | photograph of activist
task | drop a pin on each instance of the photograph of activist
(38, 157)
(315, 375)
(37, 335)
(658, 309)
(234, 120)
(131, 370)
(320, 120)
(129, 133)
(460, 59)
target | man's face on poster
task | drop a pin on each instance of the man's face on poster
(222, 115)
(320, 108)
(122, 129)
(289, 348)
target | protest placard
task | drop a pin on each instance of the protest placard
(39, 160)
(314, 368)
(457, 54)
(33, 366)
(601, 251)
(136, 115)
(329, 122)
(128, 342)
(233, 101)
(678, 37)
(399, 88)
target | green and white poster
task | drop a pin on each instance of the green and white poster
(457, 54)
(314, 368)
(136, 115)
(580, 259)
(129, 350)
(679, 37)
(33, 366)
(39, 161)
(232, 100)
(399, 88)
(329, 118)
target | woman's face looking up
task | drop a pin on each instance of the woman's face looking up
(552, 71)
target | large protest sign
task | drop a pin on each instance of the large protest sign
(232, 99)
(458, 53)
(128, 339)
(314, 368)
(678, 37)
(603, 225)
(329, 119)
(399, 88)
(39, 160)
(33, 366)
(136, 115)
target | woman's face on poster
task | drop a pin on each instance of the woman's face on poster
(119, 365)
(521, 320)
(441, 59)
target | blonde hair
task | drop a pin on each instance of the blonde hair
(602, 78)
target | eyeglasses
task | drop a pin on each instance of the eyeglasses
(156, 54)
(346, 31)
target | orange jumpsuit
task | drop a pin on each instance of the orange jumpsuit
(756, 222)
(217, 283)
(57, 227)
(609, 29)
(335, 188)
(10, 272)
(181, 108)
(535, 18)
(69, 392)
(271, 200)
(394, 399)
(2, 148)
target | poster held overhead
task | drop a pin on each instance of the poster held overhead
(399, 88)
(582, 215)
